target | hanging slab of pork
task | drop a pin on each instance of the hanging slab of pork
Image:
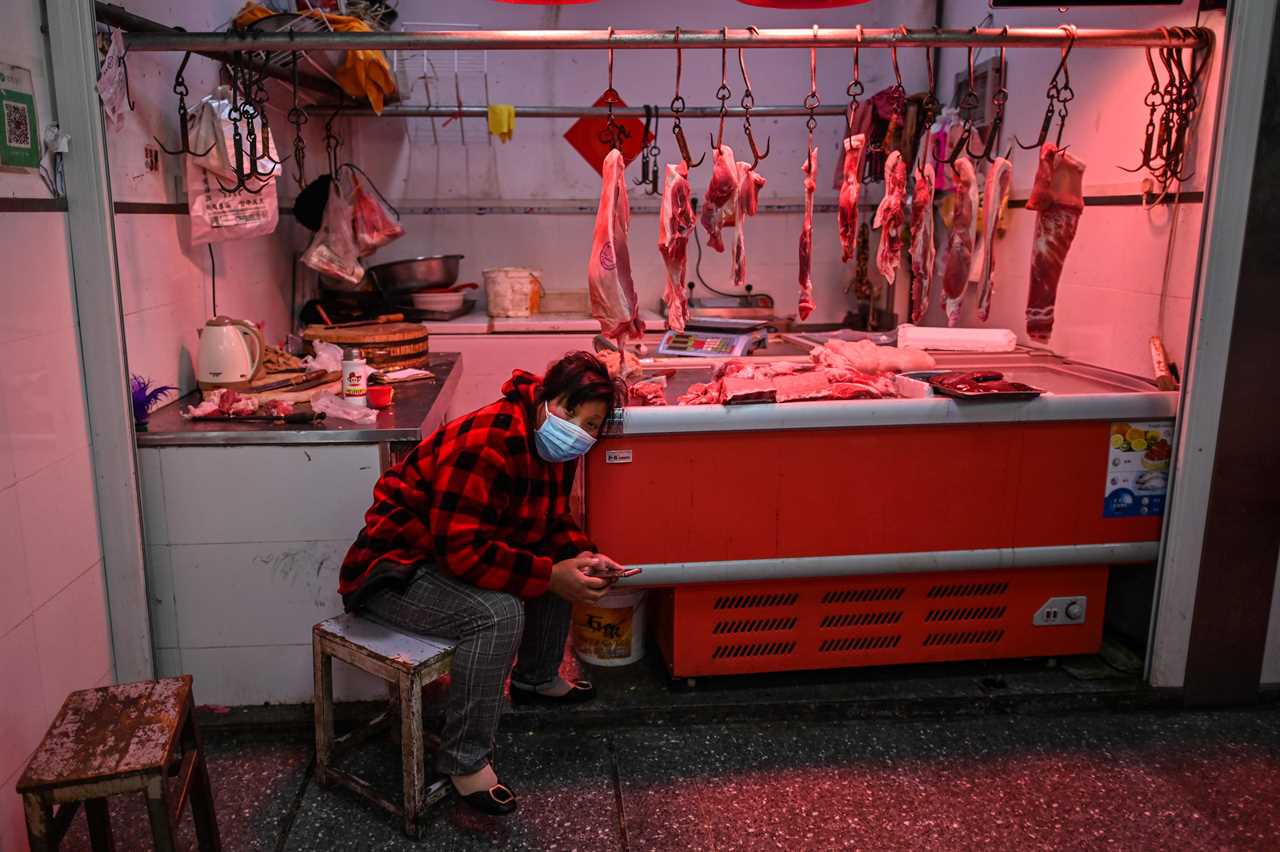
(613, 293)
(806, 235)
(889, 217)
(999, 185)
(675, 223)
(1057, 196)
(746, 203)
(717, 209)
(955, 275)
(850, 194)
(923, 251)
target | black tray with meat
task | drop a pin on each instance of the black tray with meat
(981, 385)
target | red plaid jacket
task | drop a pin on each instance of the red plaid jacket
(474, 498)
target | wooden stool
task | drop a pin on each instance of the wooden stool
(120, 739)
(407, 663)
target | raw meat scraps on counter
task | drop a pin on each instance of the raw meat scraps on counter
(745, 203)
(999, 184)
(1057, 196)
(851, 194)
(806, 305)
(613, 293)
(955, 275)
(648, 392)
(229, 403)
(701, 394)
(866, 357)
(889, 217)
(675, 223)
(923, 251)
(614, 362)
(717, 207)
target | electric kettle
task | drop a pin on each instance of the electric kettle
(230, 352)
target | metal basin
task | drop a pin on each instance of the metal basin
(416, 273)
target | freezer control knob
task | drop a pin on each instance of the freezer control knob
(1074, 611)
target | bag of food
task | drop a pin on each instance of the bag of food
(374, 221)
(333, 250)
(218, 215)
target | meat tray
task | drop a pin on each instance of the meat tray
(981, 385)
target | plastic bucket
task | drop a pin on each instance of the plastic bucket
(512, 291)
(610, 632)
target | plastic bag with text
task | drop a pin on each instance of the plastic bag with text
(336, 406)
(374, 222)
(333, 250)
(217, 215)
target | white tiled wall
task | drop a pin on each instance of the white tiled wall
(53, 615)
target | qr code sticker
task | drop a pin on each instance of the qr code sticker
(17, 125)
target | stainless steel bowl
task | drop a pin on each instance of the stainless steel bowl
(416, 273)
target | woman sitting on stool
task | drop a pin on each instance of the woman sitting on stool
(470, 538)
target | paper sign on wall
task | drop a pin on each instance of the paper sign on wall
(1138, 468)
(20, 137)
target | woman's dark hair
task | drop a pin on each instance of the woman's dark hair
(580, 377)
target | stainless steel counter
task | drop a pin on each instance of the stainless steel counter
(418, 410)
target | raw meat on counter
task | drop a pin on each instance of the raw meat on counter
(923, 251)
(613, 293)
(806, 236)
(228, 403)
(648, 392)
(999, 184)
(889, 217)
(851, 194)
(955, 275)
(701, 394)
(675, 223)
(717, 209)
(621, 365)
(866, 357)
(1057, 196)
(745, 204)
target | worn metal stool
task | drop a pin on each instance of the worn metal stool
(120, 739)
(407, 663)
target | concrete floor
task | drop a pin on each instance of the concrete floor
(1082, 780)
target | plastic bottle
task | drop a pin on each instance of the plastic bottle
(355, 377)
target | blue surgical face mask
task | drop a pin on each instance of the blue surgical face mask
(560, 440)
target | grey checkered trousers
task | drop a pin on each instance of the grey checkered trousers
(490, 629)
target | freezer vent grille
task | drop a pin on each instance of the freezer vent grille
(968, 590)
(753, 625)
(860, 619)
(970, 637)
(757, 649)
(754, 601)
(859, 643)
(887, 593)
(973, 613)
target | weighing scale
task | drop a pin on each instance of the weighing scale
(716, 337)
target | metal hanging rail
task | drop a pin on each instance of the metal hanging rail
(1056, 37)
(410, 111)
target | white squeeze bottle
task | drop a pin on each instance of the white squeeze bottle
(355, 379)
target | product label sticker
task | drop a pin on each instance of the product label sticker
(617, 457)
(1138, 468)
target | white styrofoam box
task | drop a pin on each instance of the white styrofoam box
(155, 524)
(256, 593)
(23, 720)
(161, 600)
(221, 494)
(168, 662)
(274, 674)
(73, 638)
(15, 601)
(35, 290)
(59, 524)
(44, 387)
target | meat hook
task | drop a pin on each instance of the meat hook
(1152, 102)
(855, 89)
(968, 103)
(184, 134)
(748, 103)
(999, 99)
(811, 100)
(643, 180)
(678, 107)
(613, 134)
(298, 117)
(723, 93)
(1058, 95)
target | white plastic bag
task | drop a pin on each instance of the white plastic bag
(333, 250)
(217, 215)
(213, 134)
(112, 83)
(328, 357)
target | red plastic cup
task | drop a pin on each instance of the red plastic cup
(379, 396)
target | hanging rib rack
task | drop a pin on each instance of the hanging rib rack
(228, 42)
(410, 111)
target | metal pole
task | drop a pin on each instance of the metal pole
(1181, 37)
(402, 111)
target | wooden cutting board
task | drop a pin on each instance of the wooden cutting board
(389, 345)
